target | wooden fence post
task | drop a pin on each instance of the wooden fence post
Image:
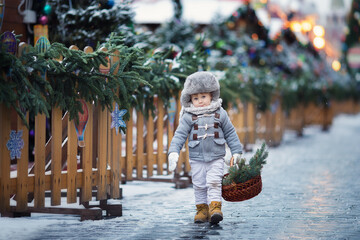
(115, 151)
(86, 157)
(71, 162)
(159, 136)
(149, 145)
(129, 144)
(5, 129)
(39, 160)
(56, 152)
(251, 122)
(103, 142)
(139, 144)
(23, 162)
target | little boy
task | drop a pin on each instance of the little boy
(208, 128)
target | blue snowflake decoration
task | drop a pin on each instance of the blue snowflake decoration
(15, 144)
(117, 118)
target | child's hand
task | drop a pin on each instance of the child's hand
(173, 159)
(237, 158)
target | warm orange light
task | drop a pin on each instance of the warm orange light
(336, 65)
(295, 26)
(319, 31)
(306, 26)
(263, 1)
(254, 36)
(319, 42)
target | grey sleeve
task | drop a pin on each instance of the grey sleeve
(181, 134)
(230, 134)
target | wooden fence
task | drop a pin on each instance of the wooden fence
(81, 169)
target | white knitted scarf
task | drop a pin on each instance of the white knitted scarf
(214, 105)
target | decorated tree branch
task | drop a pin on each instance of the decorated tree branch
(75, 77)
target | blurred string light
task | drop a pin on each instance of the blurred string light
(295, 26)
(319, 31)
(319, 42)
(306, 26)
(336, 65)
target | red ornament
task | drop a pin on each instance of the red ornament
(229, 52)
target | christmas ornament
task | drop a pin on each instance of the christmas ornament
(41, 46)
(47, 9)
(81, 126)
(117, 120)
(110, 3)
(229, 52)
(220, 44)
(15, 144)
(43, 20)
(8, 40)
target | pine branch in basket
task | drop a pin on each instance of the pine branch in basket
(242, 172)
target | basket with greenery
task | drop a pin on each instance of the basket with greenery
(244, 180)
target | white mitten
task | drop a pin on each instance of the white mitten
(173, 159)
(237, 158)
(227, 161)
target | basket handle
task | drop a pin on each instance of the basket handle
(231, 161)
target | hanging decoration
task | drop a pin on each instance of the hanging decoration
(15, 144)
(8, 40)
(41, 46)
(47, 9)
(117, 118)
(81, 126)
(43, 20)
(110, 3)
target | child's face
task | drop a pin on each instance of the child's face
(201, 99)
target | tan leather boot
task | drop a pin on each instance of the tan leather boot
(215, 212)
(202, 214)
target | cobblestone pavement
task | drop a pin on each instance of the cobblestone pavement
(310, 190)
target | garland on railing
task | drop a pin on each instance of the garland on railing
(76, 77)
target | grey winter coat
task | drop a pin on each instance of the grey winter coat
(207, 135)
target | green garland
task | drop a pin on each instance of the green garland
(241, 172)
(76, 77)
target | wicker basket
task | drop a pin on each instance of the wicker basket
(237, 192)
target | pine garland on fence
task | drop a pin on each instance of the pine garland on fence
(76, 77)
(17, 90)
(241, 172)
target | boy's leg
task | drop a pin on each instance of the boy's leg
(215, 171)
(198, 175)
(198, 171)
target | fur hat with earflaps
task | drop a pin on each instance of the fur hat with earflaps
(200, 82)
